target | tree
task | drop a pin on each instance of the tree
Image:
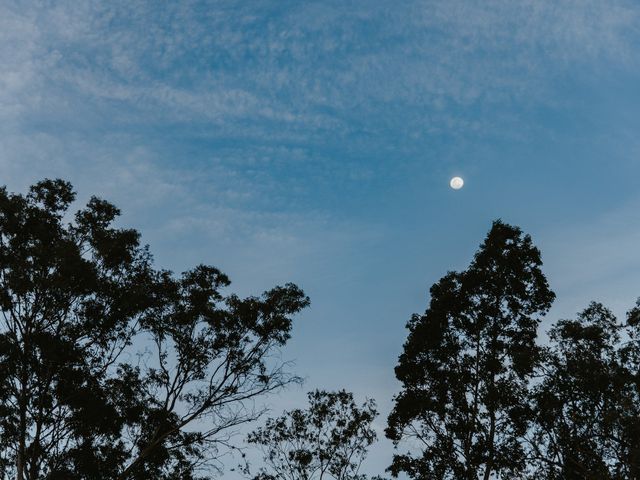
(78, 301)
(575, 401)
(587, 409)
(628, 421)
(466, 366)
(327, 440)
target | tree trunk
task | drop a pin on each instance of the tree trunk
(22, 432)
(492, 433)
(492, 412)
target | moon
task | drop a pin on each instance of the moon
(456, 183)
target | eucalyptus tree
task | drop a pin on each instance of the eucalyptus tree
(79, 298)
(628, 432)
(467, 363)
(587, 406)
(328, 440)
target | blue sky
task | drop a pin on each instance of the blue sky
(313, 142)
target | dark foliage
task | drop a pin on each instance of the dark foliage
(327, 440)
(77, 301)
(587, 404)
(467, 363)
(113, 370)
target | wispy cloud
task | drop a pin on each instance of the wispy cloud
(302, 65)
(263, 110)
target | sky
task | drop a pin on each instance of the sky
(313, 142)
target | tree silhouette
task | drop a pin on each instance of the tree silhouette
(628, 419)
(467, 363)
(327, 440)
(78, 299)
(587, 405)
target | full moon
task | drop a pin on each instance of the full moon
(456, 183)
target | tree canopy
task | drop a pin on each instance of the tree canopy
(329, 439)
(467, 363)
(482, 399)
(587, 407)
(79, 297)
